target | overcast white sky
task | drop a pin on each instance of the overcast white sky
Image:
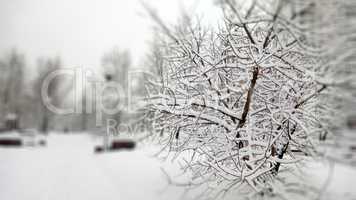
(80, 31)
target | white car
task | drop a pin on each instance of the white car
(31, 137)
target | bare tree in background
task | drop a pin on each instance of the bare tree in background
(243, 106)
(2, 83)
(84, 115)
(154, 66)
(12, 85)
(339, 28)
(45, 67)
(116, 65)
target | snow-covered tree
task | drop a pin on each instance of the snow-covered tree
(244, 105)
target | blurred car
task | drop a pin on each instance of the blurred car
(23, 137)
(116, 145)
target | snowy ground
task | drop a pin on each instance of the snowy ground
(67, 169)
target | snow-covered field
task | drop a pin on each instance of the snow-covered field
(68, 169)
